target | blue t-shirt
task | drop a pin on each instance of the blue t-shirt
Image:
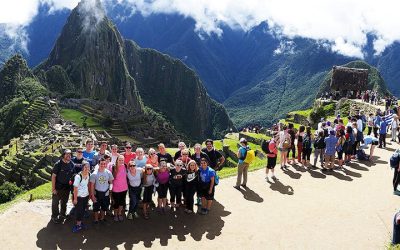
(89, 156)
(206, 174)
(242, 151)
(330, 143)
(141, 163)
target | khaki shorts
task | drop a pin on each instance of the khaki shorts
(329, 158)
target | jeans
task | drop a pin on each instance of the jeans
(242, 170)
(60, 198)
(134, 196)
(175, 191)
(320, 153)
(382, 140)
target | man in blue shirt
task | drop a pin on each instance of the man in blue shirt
(330, 150)
(89, 153)
(243, 167)
(382, 133)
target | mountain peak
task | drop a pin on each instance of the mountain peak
(91, 13)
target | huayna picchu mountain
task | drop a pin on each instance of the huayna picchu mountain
(91, 60)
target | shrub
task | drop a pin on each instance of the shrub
(8, 191)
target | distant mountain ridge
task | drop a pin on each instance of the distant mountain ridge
(239, 65)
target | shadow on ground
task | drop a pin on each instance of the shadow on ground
(280, 187)
(250, 195)
(158, 228)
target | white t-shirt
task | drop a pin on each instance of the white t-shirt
(135, 180)
(83, 189)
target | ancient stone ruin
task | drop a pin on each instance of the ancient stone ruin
(348, 81)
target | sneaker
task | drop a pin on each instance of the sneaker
(266, 178)
(274, 178)
(236, 187)
(121, 218)
(135, 215)
(130, 216)
(244, 185)
(55, 220)
(204, 211)
(76, 228)
(116, 218)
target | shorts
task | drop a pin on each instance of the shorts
(283, 149)
(162, 190)
(203, 191)
(119, 199)
(102, 201)
(147, 193)
(329, 158)
(271, 163)
(340, 155)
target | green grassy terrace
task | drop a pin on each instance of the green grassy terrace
(75, 117)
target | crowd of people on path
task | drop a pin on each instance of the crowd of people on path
(334, 143)
(106, 178)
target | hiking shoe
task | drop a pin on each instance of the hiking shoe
(204, 211)
(76, 228)
(236, 187)
(55, 220)
(274, 178)
(130, 216)
(244, 185)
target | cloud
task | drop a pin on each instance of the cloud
(344, 24)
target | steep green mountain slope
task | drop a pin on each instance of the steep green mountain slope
(92, 60)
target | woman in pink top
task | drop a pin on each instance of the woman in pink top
(162, 176)
(120, 187)
(271, 159)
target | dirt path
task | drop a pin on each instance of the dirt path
(304, 210)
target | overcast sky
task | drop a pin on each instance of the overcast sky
(341, 23)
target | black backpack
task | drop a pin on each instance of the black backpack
(307, 141)
(320, 143)
(265, 146)
(72, 180)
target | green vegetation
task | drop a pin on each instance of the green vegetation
(38, 193)
(76, 117)
(8, 191)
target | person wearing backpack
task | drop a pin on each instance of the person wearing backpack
(243, 167)
(299, 136)
(61, 175)
(319, 148)
(307, 147)
(81, 195)
(340, 134)
(271, 159)
(292, 149)
(206, 186)
(348, 145)
(284, 146)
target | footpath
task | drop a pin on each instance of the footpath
(303, 210)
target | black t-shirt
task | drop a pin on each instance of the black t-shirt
(178, 154)
(197, 158)
(213, 155)
(77, 164)
(192, 177)
(177, 178)
(167, 158)
(64, 172)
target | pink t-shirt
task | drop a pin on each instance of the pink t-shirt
(120, 182)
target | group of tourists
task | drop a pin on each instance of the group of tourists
(106, 178)
(331, 141)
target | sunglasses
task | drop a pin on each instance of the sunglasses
(185, 154)
(179, 165)
(128, 147)
(80, 152)
(147, 169)
(131, 166)
(152, 153)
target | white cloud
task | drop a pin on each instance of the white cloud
(341, 23)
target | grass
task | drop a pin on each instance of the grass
(75, 117)
(42, 192)
(304, 113)
(257, 136)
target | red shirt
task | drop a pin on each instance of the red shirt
(129, 157)
(272, 148)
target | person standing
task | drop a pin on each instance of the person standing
(216, 158)
(128, 154)
(191, 183)
(114, 153)
(89, 153)
(61, 175)
(243, 167)
(198, 154)
(370, 123)
(181, 146)
(176, 182)
(100, 182)
(206, 186)
(134, 175)
(120, 188)
(330, 150)
(307, 147)
(81, 195)
(340, 134)
(77, 160)
(319, 148)
(284, 146)
(101, 153)
(382, 133)
(292, 149)
(300, 136)
(163, 155)
(271, 159)
(394, 125)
